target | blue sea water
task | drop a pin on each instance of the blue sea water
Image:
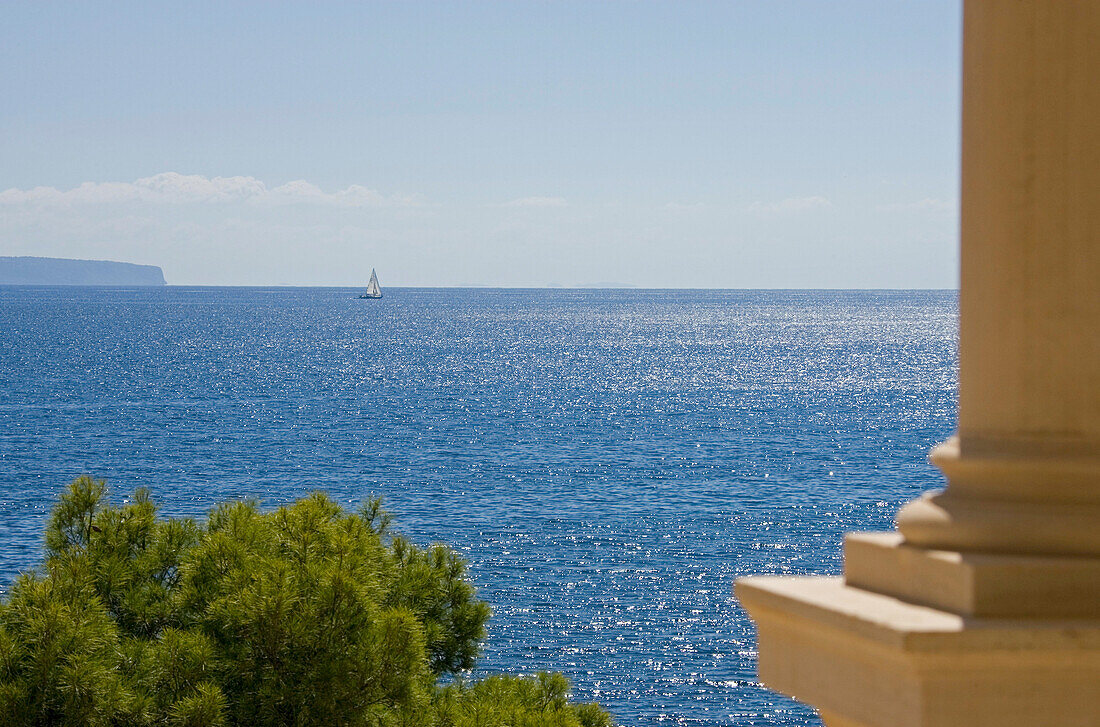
(609, 461)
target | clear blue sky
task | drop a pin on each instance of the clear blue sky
(671, 144)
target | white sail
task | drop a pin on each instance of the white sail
(374, 290)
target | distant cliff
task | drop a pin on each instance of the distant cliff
(62, 271)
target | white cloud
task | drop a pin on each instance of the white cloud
(175, 188)
(685, 207)
(928, 204)
(791, 205)
(537, 202)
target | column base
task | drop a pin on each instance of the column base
(974, 584)
(872, 660)
(1028, 504)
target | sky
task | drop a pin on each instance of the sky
(680, 144)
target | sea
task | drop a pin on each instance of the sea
(609, 461)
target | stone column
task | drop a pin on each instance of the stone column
(984, 609)
(1024, 470)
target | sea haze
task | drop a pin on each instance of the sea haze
(609, 461)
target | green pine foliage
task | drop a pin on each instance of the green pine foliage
(307, 615)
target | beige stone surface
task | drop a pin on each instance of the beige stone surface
(836, 720)
(984, 609)
(1009, 503)
(1024, 471)
(1029, 350)
(877, 661)
(974, 584)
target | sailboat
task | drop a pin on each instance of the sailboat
(374, 290)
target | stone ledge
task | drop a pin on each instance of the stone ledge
(974, 584)
(882, 662)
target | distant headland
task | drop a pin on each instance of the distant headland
(64, 271)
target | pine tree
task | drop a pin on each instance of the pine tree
(306, 615)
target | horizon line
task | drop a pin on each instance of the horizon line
(471, 287)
